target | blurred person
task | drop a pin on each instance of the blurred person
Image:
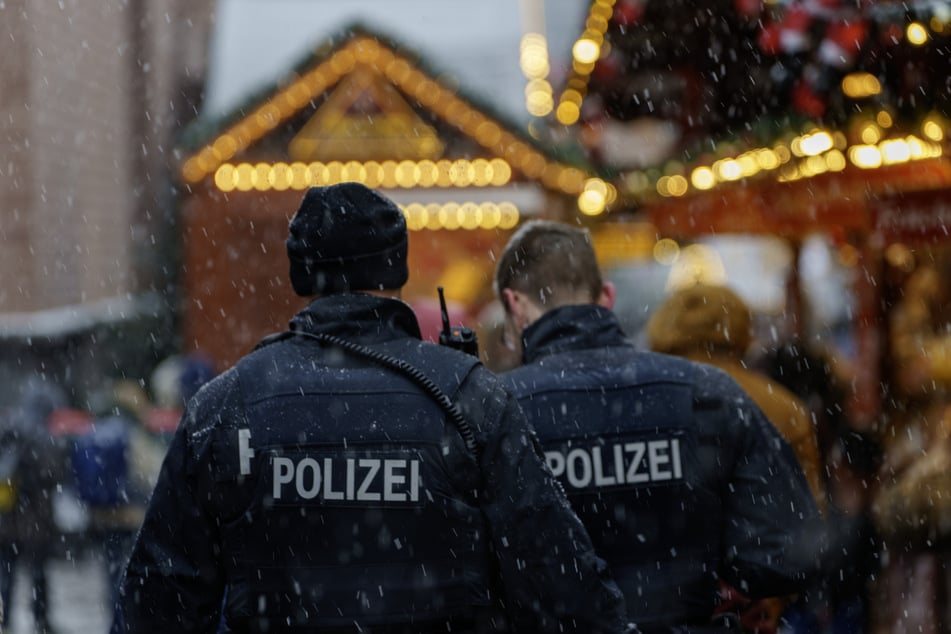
(678, 476)
(116, 464)
(27, 527)
(347, 476)
(911, 504)
(173, 382)
(851, 459)
(713, 325)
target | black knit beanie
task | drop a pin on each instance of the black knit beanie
(347, 237)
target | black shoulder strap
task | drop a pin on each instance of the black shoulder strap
(394, 363)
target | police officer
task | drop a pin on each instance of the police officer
(348, 477)
(679, 478)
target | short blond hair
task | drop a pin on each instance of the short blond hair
(551, 262)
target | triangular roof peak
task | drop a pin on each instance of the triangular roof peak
(360, 55)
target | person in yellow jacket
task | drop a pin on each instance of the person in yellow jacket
(713, 325)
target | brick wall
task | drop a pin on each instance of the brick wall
(15, 177)
(90, 104)
(92, 96)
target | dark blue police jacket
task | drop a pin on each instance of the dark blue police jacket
(677, 475)
(312, 489)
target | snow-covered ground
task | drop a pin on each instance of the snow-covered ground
(78, 598)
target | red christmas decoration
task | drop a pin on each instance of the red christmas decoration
(768, 39)
(628, 12)
(749, 8)
(807, 101)
(607, 69)
(843, 41)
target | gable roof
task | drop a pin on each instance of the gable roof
(212, 143)
(477, 44)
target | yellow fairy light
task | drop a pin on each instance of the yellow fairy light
(449, 216)
(861, 85)
(568, 113)
(470, 216)
(501, 171)
(916, 33)
(491, 216)
(703, 178)
(815, 143)
(407, 174)
(488, 134)
(748, 165)
(596, 185)
(666, 251)
(432, 216)
(729, 170)
(865, 156)
(192, 172)
(677, 186)
(591, 202)
(835, 161)
(571, 180)
(586, 51)
(916, 149)
(933, 130)
(871, 134)
(895, 151)
(427, 173)
(509, 215)
(225, 178)
(816, 165)
(481, 173)
(767, 159)
(415, 216)
(279, 176)
(260, 177)
(225, 147)
(243, 176)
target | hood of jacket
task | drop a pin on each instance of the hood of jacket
(576, 327)
(358, 317)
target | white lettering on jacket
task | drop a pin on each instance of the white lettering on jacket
(245, 453)
(621, 463)
(346, 479)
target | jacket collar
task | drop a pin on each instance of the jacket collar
(359, 317)
(571, 328)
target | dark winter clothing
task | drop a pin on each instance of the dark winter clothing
(27, 527)
(345, 237)
(678, 476)
(310, 487)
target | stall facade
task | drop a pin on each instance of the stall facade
(864, 211)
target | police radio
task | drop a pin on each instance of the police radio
(460, 337)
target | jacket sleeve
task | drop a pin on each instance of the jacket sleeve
(551, 579)
(774, 535)
(173, 582)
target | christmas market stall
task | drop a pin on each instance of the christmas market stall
(804, 122)
(360, 108)
(773, 119)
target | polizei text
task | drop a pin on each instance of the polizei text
(621, 463)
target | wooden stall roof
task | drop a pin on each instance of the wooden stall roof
(841, 201)
(387, 76)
